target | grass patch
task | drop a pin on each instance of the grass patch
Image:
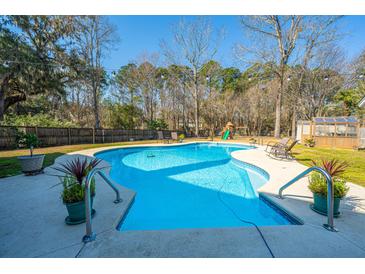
(355, 173)
(9, 164)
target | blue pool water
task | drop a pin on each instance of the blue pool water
(190, 186)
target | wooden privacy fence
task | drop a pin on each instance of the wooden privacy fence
(51, 136)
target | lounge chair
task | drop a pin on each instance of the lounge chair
(271, 144)
(282, 151)
(161, 137)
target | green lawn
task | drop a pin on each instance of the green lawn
(10, 166)
(355, 172)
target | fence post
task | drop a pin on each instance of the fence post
(93, 130)
(102, 132)
(112, 135)
(358, 134)
(69, 135)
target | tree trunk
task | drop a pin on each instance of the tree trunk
(96, 108)
(196, 107)
(196, 118)
(278, 114)
(293, 124)
(132, 98)
(151, 105)
(278, 102)
(2, 105)
(183, 111)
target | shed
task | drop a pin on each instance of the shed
(335, 132)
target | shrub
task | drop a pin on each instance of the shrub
(28, 140)
(181, 136)
(39, 119)
(73, 182)
(157, 124)
(74, 192)
(252, 140)
(318, 185)
(309, 142)
(334, 167)
(77, 168)
(122, 116)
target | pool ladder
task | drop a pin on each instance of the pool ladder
(90, 235)
(330, 225)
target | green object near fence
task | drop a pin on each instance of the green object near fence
(225, 135)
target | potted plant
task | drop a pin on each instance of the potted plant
(252, 141)
(181, 137)
(318, 186)
(31, 164)
(73, 194)
(309, 142)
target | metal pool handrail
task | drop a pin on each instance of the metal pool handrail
(330, 225)
(90, 236)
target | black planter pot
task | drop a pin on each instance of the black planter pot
(320, 205)
(76, 212)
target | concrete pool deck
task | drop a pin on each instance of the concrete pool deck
(32, 222)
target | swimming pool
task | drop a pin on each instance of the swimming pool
(191, 186)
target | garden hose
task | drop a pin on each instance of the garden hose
(243, 220)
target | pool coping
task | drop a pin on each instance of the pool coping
(290, 215)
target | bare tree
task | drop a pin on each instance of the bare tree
(320, 85)
(147, 78)
(175, 98)
(126, 84)
(357, 68)
(95, 36)
(195, 44)
(318, 32)
(278, 36)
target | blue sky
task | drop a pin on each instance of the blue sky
(142, 34)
